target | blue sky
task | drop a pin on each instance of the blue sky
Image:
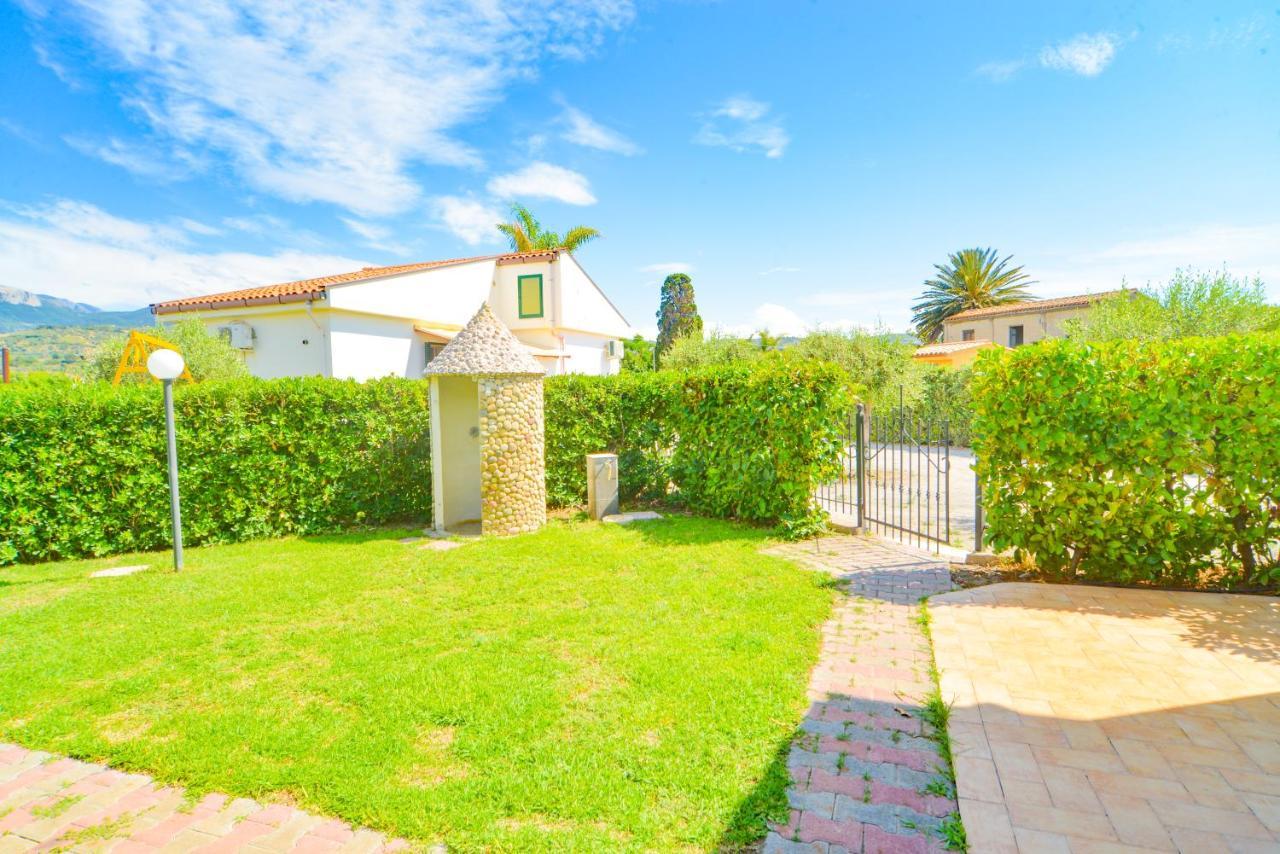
(807, 163)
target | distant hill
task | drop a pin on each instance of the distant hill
(21, 309)
(57, 349)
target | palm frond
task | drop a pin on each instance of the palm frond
(971, 278)
(516, 236)
(578, 236)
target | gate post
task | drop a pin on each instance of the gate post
(860, 445)
(979, 524)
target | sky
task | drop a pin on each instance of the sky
(807, 163)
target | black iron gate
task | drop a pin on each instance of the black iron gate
(895, 477)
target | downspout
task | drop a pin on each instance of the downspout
(555, 309)
(324, 338)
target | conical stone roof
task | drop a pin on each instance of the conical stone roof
(485, 347)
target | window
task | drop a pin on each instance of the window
(966, 335)
(431, 351)
(529, 295)
(1015, 336)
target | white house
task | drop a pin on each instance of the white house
(383, 321)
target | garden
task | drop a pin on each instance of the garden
(584, 688)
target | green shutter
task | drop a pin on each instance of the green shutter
(529, 295)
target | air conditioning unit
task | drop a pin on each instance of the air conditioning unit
(613, 349)
(240, 335)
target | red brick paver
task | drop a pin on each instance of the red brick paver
(863, 765)
(48, 803)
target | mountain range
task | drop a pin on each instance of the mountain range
(21, 309)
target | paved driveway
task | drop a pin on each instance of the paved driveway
(1092, 719)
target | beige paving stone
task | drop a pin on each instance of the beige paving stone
(1118, 720)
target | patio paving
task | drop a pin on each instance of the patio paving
(860, 768)
(48, 803)
(1103, 719)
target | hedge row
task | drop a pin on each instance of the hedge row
(748, 441)
(1154, 462)
(82, 468)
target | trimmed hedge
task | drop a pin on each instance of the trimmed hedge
(82, 468)
(83, 472)
(1154, 462)
(750, 441)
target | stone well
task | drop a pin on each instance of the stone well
(487, 461)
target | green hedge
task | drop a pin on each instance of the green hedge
(749, 441)
(1155, 462)
(82, 469)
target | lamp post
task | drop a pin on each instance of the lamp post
(166, 366)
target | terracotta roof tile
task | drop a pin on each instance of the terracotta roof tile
(1032, 306)
(314, 288)
(952, 347)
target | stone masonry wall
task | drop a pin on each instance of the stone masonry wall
(513, 486)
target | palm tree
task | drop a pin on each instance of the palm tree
(971, 278)
(526, 234)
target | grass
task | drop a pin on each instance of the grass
(580, 689)
(936, 712)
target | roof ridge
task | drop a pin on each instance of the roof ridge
(304, 289)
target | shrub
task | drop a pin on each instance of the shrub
(83, 472)
(1153, 462)
(694, 351)
(628, 415)
(208, 357)
(750, 441)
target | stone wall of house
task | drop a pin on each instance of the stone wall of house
(513, 483)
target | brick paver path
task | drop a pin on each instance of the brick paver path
(49, 803)
(1099, 719)
(860, 770)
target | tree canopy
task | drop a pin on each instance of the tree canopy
(526, 234)
(677, 312)
(971, 278)
(1191, 303)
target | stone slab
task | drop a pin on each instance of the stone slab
(117, 571)
(628, 518)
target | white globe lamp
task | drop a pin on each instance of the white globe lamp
(165, 364)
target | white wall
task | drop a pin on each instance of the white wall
(459, 461)
(586, 355)
(584, 306)
(366, 348)
(503, 298)
(445, 295)
(286, 343)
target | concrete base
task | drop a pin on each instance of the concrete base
(982, 559)
(117, 571)
(628, 518)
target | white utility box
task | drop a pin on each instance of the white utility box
(602, 485)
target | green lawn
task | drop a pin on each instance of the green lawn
(585, 688)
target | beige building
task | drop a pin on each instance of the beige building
(1018, 323)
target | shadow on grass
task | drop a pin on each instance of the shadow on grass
(679, 529)
(766, 802)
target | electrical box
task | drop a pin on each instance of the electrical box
(602, 485)
(240, 335)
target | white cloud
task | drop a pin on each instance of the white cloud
(1244, 250)
(540, 180)
(742, 123)
(140, 160)
(472, 221)
(1000, 71)
(75, 250)
(581, 129)
(1085, 54)
(773, 271)
(329, 101)
(375, 236)
(666, 268)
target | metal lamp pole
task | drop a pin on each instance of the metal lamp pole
(167, 366)
(174, 502)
